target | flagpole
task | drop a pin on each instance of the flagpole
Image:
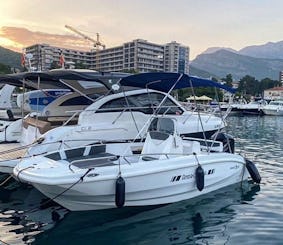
(23, 58)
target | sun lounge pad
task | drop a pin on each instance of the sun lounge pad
(98, 160)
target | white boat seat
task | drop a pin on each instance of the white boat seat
(161, 141)
(191, 147)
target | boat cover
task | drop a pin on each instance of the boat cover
(164, 81)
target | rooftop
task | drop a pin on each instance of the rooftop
(275, 89)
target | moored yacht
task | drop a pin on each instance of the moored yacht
(274, 108)
(252, 108)
(110, 118)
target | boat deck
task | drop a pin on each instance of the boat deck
(11, 151)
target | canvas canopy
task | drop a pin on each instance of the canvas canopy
(204, 97)
(192, 98)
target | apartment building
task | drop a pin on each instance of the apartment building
(138, 55)
(46, 57)
(176, 58)
(275, 93)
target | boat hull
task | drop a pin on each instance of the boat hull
(257, 112)
(272, 112)
(146, 183)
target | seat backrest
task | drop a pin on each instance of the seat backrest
(163, 125)
(162, 139)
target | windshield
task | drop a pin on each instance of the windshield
(146, 103)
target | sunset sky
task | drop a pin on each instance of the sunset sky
(197, 24)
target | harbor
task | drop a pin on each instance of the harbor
(166, 131)
(135, 156)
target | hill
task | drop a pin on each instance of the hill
(10, 58)
(223, 62)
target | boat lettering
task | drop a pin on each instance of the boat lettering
(235, 167)
(187, 176)
(210, 171)
(176, 178)
(182, 177)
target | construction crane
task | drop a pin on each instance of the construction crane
(96, 43)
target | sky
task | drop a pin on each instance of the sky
(198, 24)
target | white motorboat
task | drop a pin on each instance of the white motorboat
(11, 123)
(274, 108)
(110, 119)
(9, 114)
(252, 108)
(230, 108)
(165, 168)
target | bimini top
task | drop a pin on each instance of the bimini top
(60, 78)
(164, 81)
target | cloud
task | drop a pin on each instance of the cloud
(17, 38)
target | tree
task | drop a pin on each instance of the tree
(249, 86)
(228, 80)
(267, 83)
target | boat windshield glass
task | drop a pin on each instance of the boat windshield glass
(165, 125)
(146, 103)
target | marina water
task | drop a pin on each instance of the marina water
(239, 214)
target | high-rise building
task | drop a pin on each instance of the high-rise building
(46, 57)
(176, 58)
(138, 55)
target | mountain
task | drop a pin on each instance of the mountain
(270, 50)
(223, 62)
(201, 73)
(214, 49)
(10, 58)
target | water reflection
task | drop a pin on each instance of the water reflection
(18, 226)
(198, 220)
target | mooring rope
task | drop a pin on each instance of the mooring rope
(6, 180)
(58, 195)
